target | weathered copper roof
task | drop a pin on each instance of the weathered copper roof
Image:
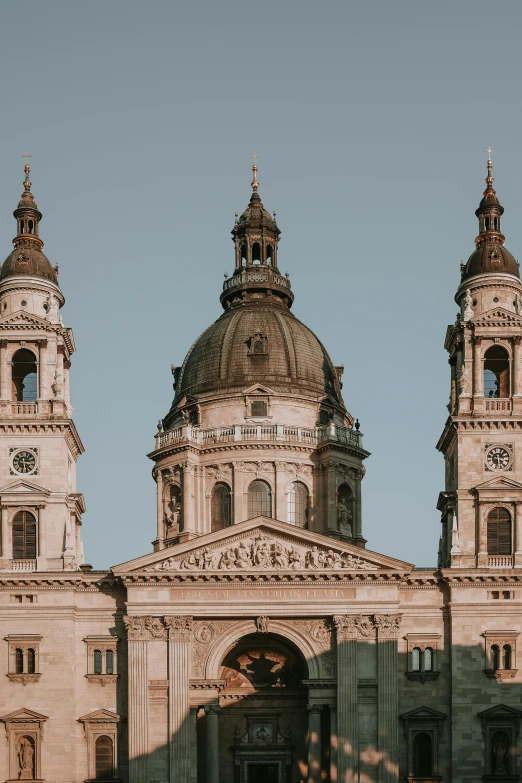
(221, 359)
(490, 257)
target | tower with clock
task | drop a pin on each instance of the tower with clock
(481, 506)
(39, 445)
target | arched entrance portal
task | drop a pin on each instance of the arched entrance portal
(263, 715)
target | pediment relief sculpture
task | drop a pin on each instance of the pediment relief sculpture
(262, 553)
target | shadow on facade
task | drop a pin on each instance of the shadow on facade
(458, 720)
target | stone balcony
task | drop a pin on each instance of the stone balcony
(252, 433)
(40, 408)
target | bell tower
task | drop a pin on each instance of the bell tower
(481, 506)
(39, 445)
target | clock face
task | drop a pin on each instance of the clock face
(24, 461)
(498, 458)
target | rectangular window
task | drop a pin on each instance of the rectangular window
(259, 408)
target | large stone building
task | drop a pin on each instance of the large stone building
(260, 642)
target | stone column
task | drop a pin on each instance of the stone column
(212, 711)
(43, 392)
(331, 498)
(139, 631)
(159, 510)
(237, 494)
(194, 744)
(5, 378)
(333, 745)
(279, 510)
(3, 540)
(314, 743)
(517, 523)
(478, 390)
(180, 634)
(348, 628)
(388, 696)
(516, 366)
(188, 500)
(42, 534)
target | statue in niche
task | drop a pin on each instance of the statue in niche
(57, 386)
(25, 754)
(468, 310)
(499, 747)
(463, 380)
(173, 516)
(344, 518)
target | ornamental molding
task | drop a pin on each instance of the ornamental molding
(386, 626)
(205, 634)
(23, 679)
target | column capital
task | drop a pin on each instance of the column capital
(314, 708)
(351, 626)
(180, 628)
(387, 625)
(212, 709)
(517, 339)
(145, 629)
(477, 339)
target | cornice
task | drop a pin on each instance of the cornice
(232, 578)
(44, 425)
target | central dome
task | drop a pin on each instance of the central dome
(257, 343)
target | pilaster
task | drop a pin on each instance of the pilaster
(180, 635)
(139, 631)
(388, 697)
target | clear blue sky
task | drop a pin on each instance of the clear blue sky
(370, 120)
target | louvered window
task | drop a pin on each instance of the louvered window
(499, 532)
(221, 506)
(24, 536)
(104, 757)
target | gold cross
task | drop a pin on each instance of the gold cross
(255, 157)
(27, 155)
(489, 151)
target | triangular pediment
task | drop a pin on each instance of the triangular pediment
(23, 486)
(23, 715)
(500, 711)
(258, 388)
(500, 483)
(23, 318)
(423, 713)
(100, 716)
(498, 316)
(261, 545)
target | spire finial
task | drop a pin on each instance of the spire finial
(27, 169)
(489, 178)
(254, 183)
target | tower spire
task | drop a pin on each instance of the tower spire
(254, 183)
(27, 214)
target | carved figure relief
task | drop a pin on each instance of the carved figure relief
(145, 628)
(262, 624)
(261, 666)
(25, 755)
(262, 553)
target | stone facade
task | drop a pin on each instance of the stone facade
(260, 640)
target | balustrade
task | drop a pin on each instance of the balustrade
(500, 561)
(259, 432)
(496, 404)
(23, 565)
(24, 408)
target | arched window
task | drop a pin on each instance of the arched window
(298, 504)
(24, 536)
(31, 226)
(109, 662)
(422, 754)
(415, 659)
(495, 657)
(428, 659)
(506, 656)
(97, 662)
(259, 499)
(499, 532)
(256, 253)
(24, 377)
(31, 661)
(19, 661)
(259, 346)
(104, 757)
(221, 506)
(496, 372)
(269, 254)
(21, 228)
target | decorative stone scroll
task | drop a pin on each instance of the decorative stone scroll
(180, 628)
(145, 629)
(265, 554)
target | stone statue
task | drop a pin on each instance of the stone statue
(312, 558)
(53, 308)
(173, 519)
(26, 759)
(57, 386)
(467, 314)
(344, 518)
(209, 559)
(228, 559)
(243, 559)
(463, 380)
(262, 624)
(280, 556)
(499, 754)
(295, 559)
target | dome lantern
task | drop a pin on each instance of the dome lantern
(256, 237)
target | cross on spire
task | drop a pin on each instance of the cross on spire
(254, 183)
(27, 155)
(489, 151)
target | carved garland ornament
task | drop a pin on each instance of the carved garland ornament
(363, 626)
(147, 629)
